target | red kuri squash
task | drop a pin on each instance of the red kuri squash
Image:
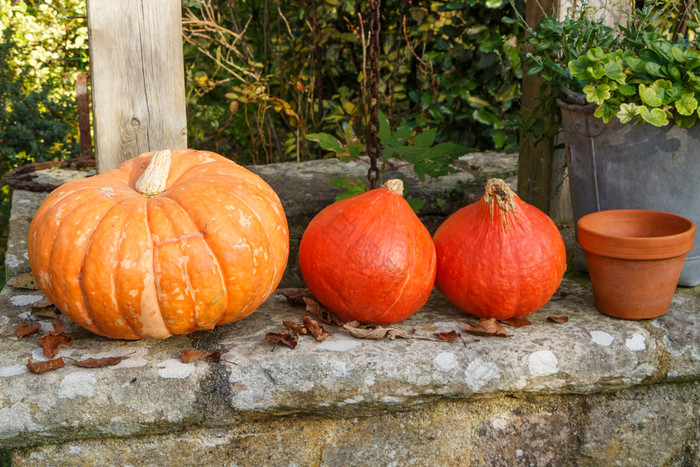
(499, 257)
(369, 258)
(195, 242)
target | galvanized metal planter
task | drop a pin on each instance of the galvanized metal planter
(629, 166)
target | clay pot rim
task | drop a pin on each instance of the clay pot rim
(591, 239)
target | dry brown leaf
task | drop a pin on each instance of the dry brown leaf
(557, 319)
(517, 321)
(558, 295)
(97, 362)
(45, 303)
(58, 326)
(297, 327)
(51, 342)
(376, 332)
(321, 312)
(316, 330)
(189, 356)
(24, 281)
(295, 296)
(27, 329)
(287, 337)
(44, 309)
(488, 327)
(448, 336)
(43, 367)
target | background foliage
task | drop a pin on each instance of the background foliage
(43, 46)
(261, 75)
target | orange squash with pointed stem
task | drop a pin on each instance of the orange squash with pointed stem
(167, 243)
(499, 257)
(369, 258)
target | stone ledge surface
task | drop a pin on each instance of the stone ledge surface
(151, 392)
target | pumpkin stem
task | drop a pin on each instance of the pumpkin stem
(394, 185)
(498, 190)
(152, 180)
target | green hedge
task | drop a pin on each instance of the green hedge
(261, 75)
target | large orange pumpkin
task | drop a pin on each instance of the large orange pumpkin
(369, 258)
(195, 242)
(499, 257)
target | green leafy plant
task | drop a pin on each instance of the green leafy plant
(655, 85)
(416, 149)
(648, 72)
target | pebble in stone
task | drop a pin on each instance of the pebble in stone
(173, 368)
(543, 363)
(601, 338)
(636, 343)
(478, 374)
(13, 370)
(338, 344)
(25, 300)
(445, 361)
(77, 384)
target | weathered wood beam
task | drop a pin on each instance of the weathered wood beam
(137, 75)
(535, 160)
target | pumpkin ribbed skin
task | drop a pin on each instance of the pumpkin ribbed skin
(206, 251)
(499, 257)
(369, 258)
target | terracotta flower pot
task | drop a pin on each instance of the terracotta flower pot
(634, 258)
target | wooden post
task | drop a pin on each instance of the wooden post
(535, 160)
(138, 80)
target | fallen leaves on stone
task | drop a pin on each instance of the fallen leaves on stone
(24, 281)
(189, 356)
(44, 309)
(58, 325)
(287, 337)
(305, 298)
(27, 330)
(43, 367)
(373, 331)
(54, 364)
(51, 342)
(295, 296)
(517, 321)
(316, 330)
(557, 319)
(488, 327)
(96, 362)
(448, 336)
(299, 328)
(290, 336)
